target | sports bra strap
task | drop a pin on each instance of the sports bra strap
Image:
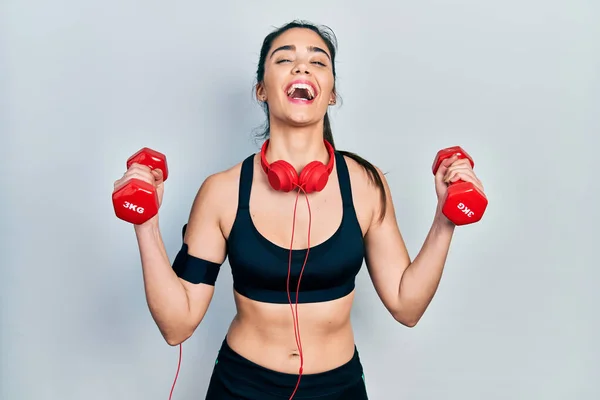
(344, 180)
(246, 182)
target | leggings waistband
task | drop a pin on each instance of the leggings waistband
(236, 371)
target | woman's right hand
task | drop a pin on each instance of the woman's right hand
(145, 174)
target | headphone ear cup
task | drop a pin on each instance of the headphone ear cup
(314, 177)
(282, 176)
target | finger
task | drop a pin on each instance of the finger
(139, 167)
(445, 164)
(449, 161)
(156, 174)
(143, 176)
(454, 176)
(465, 177)
(456, 168)
(461, 162)
(451, 176)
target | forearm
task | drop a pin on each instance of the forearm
(165, 294)
(421, 278)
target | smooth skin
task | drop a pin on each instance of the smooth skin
(264, 332)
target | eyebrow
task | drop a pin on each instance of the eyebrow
(291, 47)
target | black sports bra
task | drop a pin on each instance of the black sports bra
(260, 267)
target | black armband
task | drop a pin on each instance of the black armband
(194, 269)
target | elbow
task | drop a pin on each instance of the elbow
(409, 323)
(179, 330)
(176, 339)
(177, 336)
(407, 319)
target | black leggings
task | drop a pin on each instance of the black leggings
(237, 378)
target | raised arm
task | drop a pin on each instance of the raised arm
(178, 303)
(407, 287)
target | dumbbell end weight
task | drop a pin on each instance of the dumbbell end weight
(465, 204)
(447, 153)
(152, 159)
(136, 202)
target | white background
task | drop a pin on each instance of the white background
(84, 84)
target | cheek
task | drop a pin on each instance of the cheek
(273, 79)
(327, 83)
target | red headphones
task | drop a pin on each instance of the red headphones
(282, 176)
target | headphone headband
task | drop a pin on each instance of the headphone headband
(282, 176)
(266, 166)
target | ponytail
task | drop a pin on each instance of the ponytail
(370, 168)
(327, 133)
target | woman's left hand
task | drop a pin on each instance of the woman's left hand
(451, 170)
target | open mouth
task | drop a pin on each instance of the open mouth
(301, 92)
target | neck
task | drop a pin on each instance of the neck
(297, 146)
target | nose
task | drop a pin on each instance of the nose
(301, 68)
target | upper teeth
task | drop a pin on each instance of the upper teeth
(295, 86)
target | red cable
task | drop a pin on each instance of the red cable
(177, 374)
(295, 317)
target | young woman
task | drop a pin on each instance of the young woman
(296, 236)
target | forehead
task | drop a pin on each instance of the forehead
(301, 38)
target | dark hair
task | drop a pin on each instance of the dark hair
(330, 40)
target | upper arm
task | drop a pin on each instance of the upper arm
(386, 255)
(205, 241)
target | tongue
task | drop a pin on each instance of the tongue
(300, 94)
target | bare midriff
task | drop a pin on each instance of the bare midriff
(264, 334)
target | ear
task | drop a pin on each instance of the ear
(332, 97)
(261, 93)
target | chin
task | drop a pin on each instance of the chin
(301, 121)
(298, 119)
(304, 116)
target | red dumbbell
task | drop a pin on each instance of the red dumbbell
(465, 203)
(137, 201)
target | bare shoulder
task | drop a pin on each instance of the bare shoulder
(366, 177)
(362, 176)
(369, 188)
(215, 202)
(220, 187)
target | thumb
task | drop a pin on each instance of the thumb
(445, 164)
(158, 175)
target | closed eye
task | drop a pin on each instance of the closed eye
(313, 62)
